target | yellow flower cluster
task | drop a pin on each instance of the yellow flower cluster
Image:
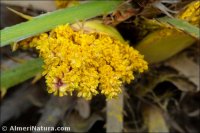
(65, 3)
(192, 13)
(85, 64)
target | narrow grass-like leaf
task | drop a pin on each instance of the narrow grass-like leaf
(182, 25)
(50, 20)
(27, 17)
(20, 73)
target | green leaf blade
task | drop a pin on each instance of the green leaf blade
(48, 21)
(20, 73)
(182, 25)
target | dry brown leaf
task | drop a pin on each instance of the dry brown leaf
(186, 67)
(41, 5)
(78, 124)
(55, 110)
(83, 107)
(154, 119)
(182, 84)
(25, 97)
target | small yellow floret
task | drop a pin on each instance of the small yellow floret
(86, 63)
(192, 13)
